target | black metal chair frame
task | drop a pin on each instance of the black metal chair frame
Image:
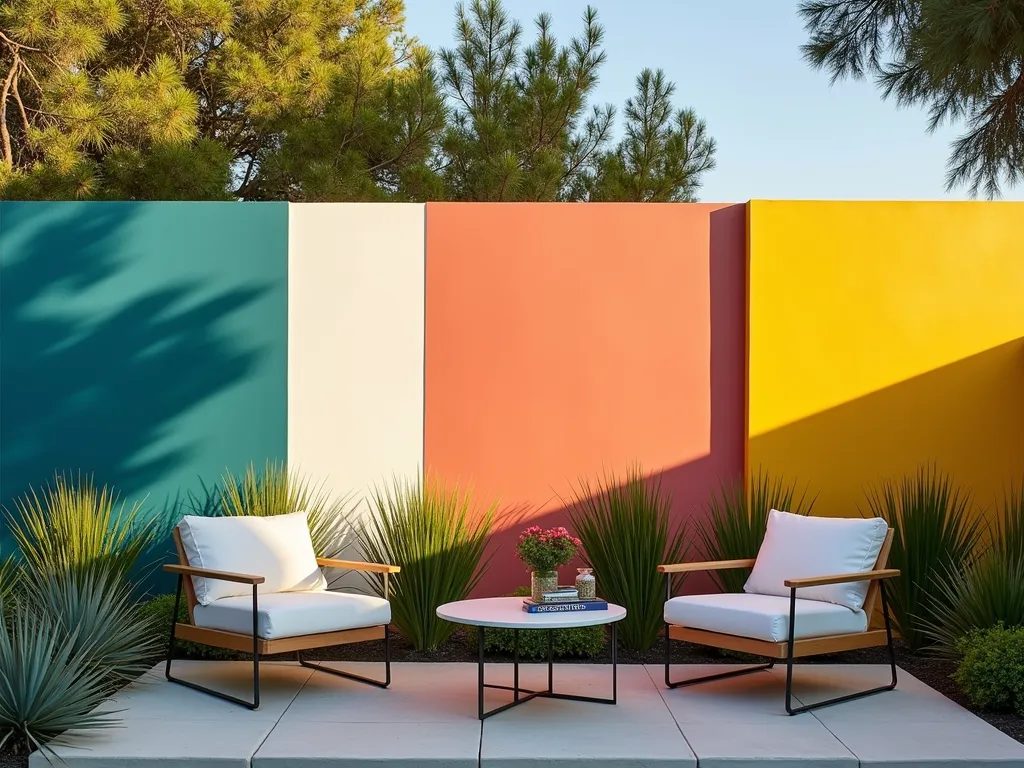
(254, 703)
(789, 659)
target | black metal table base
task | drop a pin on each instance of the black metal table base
(523, 695)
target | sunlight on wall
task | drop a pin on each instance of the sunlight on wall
(884, 335)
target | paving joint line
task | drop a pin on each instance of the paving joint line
(280, 717)
(661, 694)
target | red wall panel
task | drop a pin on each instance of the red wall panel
(567, 339)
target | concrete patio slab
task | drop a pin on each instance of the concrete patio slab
(638, 731)
(415, 695)
(541, 742)
(752, 698)
(151, 696)
(741, 721)
(930, 745)
(165, 742)
(910, 701)
(429, 718)
(782, 744)
(357, 745)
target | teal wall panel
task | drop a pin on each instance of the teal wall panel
(143, 342)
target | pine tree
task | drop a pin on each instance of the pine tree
(192, 98)
(962, 59)
(521, 128)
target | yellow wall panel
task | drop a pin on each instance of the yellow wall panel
(884, 335)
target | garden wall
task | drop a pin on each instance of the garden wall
(143, 342)
(884, 335)
(565, 340)
(512, 347)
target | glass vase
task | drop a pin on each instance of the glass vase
(541, 582)
(586, 584)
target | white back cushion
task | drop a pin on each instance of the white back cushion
(797, 547)
(277, 548)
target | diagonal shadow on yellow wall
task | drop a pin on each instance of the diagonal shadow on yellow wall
(966, 417)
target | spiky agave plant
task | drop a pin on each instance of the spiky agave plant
(1008, 532)
(47, 687)
(439, 539)
(71, 525)
(735, 518)
(100, 619)
(936, 539)
(627, 532)
(10, 579)
(989, 591)
(280, 491)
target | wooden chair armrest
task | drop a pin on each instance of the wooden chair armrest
(240, 578)
(711, 565)
(841, 578)
(355, 565)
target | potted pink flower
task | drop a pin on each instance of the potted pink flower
(543, 551)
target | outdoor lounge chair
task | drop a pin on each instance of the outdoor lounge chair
(254, 585)
(838, 565)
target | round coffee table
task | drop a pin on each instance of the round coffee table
(508, 613)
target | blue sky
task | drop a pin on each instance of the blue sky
(782, 131)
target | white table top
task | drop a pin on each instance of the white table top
(508, 613)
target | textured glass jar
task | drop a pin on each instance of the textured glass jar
(541, 582)
(586, 584)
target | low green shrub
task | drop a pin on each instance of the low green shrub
(579, 642)
(158, 613)
(991, 672)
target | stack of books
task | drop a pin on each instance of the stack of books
(563, 600)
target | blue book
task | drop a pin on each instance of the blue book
(570, 606)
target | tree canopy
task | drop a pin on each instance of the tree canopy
(322, 100)
(961, 59)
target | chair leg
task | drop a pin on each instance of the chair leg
(670, 683)
(850, 696)
(358, 678)
(255, 703)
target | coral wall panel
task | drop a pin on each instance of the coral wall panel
(143, 342)
(884, 336)
(355, 330)
(564, 340)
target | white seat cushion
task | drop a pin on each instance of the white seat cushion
(277, 548)
(797, 547)
(290, 614)
(763, 617)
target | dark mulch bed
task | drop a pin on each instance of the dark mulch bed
(462, 647)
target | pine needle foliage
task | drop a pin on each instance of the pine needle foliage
(736, 517)
(626, 526)
(438, 537)
(276, 490)
(521, 126)
(937, 537)
(963, 60)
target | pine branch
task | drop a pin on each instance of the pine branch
(5, 134)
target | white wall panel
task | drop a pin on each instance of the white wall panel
(355, 341)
